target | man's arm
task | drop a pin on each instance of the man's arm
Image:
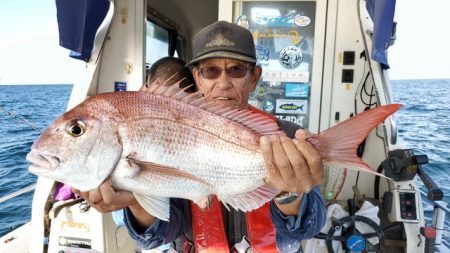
(148, 231)
(309, 220)
(294, 166)
(158, 232)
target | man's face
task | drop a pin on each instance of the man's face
(226, 79)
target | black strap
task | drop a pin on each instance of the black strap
(235, 225)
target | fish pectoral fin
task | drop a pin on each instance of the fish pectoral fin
(166, 171)
(159, 207)
(250, 200)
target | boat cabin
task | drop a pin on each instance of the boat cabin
(323, 62)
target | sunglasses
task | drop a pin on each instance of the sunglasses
(213, 72)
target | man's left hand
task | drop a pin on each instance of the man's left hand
(292, 165)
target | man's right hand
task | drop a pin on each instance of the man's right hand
(106, 199)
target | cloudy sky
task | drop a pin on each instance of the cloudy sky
(29, 51)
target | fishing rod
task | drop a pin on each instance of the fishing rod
(20, 119)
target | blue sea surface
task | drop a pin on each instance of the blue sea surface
(39, 105)
(424, 125)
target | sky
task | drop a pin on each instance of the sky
(30, 54)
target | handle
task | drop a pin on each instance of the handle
(434, 192)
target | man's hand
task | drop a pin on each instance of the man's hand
(292, 165)
(105, 199)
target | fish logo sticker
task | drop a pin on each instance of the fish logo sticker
(291, 107)
(286, 106)
(290, 57)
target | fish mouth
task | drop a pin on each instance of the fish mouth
(41, 163)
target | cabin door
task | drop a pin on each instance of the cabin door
(289, 40)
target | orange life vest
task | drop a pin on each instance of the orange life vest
(209, 233)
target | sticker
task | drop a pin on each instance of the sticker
(285, 76)
(252, 101)
(299, 120)
(265, 18)
(268, 106)
(120, 86)
(302, 21)
(75, 226)
(275, 33)
(75, 242)
(296, 90)
(262, 53)
(290, 57)
(274, 91)
(286, 106)
(243, 21)
(260, 92)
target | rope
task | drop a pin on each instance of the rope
(20, 119)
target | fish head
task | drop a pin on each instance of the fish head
(80, 148)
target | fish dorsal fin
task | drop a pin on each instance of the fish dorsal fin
(159, 207)
(251, 200)
(252, 118)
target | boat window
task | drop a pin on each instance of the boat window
(157, 43)
(284, 41)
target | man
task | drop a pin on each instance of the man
(224, 68)
(172, 70)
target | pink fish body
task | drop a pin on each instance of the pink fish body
(166, 143)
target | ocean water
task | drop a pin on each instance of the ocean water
(39, 105)
(424, 125)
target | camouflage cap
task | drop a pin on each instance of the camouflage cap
(223, 40)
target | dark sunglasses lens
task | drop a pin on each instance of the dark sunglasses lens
(237, 71)
(211, 72)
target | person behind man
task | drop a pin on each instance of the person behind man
(224, 68)
(171, 70)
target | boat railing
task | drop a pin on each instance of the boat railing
(440, 210)
(17, 193)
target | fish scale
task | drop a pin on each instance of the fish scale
(200, 154)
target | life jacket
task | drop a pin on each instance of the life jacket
(209, 229)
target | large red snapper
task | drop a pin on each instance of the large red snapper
(167, 143)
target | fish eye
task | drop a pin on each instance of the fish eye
(75, 128)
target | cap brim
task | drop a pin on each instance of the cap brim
(223, 54)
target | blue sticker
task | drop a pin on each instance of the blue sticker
(356, 243)
(296, 90)
(262, 53)
(268, 106)
(120, 86)
(286, 20)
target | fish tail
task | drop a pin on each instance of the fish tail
(338, 144)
